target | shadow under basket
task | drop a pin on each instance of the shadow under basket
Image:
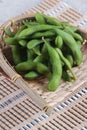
(39, 85)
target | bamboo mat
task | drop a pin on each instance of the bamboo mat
(19, 112)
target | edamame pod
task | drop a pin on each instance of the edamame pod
(29, 24)
(39, 18)
(73, 28)
(75, 35)
(49, 34)
(41, 68)
(59, 42)
(31, 44)
(67, 63)
(71, 43)
(52, 20)
(30, 54)
(66, 76)
(79, 44)
(25, 66)
(37, 50)
(23, 43)
(39, 58)
(31, 75)
(29, 31)
(16, 54)
(10, 41)
(20, 30)
(56, 67)
(70, 59)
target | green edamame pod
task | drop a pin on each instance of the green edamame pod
(41, 68)
(29, 31)
(59, 42)
(39, 58)
(30, 54)
(29, 24)
(44, 52)
(56, 67)
(50, 33)
(70, 59)
(66, 76)
(16, 54)
(23, 43)
(65, 23)
(52, 20)
(67, 63)
(31, 75)
(20, 30)
(8, 32)
(71, 43)
(25, 66)
(73, 28)
(39, 18)
(75, 35)
(79, 44)
(31, 44)
(11, 41)
(37, 50)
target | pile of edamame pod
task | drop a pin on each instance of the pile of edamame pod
(45, 46)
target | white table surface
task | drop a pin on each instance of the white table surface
(11, 8)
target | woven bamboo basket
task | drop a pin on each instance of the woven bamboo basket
(36, 89)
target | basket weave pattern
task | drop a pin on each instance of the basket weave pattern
(36, 119)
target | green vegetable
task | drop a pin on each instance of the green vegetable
(31, 75)
(66, 76)
(52, 20)
(67, 63)
(39, 18)
(31, 44)
(39, 58)
(25, 66)
(47, 34)
(37, 50)
(79, 44)
(70, 59)
(29, 24)
(11, 41)
(71, 43)
(20, 30)
(29, 31)
(59, 42)
(41, 68)
(75, 35)
(56, 67)
(16, 54)
(30, 54)
(23, 43)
